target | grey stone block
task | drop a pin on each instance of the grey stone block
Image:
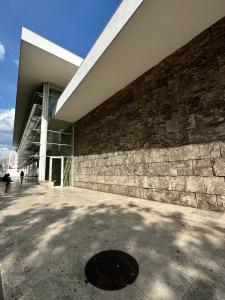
(163, 169)
(191, 152)
(155, 155)
(172, 126)
(118, 160)
(152, 195)
(127, 170)
(210, 150)
(215, 185)
(195, 184)
(175, 153)
(148, 169)
(170, 197)
(202, 167)
(222, 148)
(188, 199)
(177, 183)
(221, 203)
(131, 191)
(130, 158)
(132, 181)
(138, 156)
(184, 168)
(219, 166)
(164, 182)
(151, 182)
(205, 201)
(191, 122)
(141, 169)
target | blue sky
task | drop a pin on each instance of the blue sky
(73, 24)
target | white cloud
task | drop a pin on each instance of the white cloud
(16, 61)
(2, 52)
(6, 127)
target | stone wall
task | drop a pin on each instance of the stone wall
(162, 137)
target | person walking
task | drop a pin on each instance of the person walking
(7, 179)
(21, 177)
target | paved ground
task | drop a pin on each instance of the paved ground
(47, 236)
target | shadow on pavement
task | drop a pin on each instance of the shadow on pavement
(47, 240)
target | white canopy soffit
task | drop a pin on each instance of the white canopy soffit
(40, 61)
(140, 35)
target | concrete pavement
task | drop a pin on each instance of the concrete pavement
(48, 235)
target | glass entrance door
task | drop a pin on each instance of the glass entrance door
(60, 170)
(56, 170)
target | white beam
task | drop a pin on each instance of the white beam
(44, 130)
(140, 35)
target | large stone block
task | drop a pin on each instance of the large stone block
(172, 126)
(219, 166)
(138, 156)
(205, 201)
(128, 170)
(164, 182)
(130, 157)
(212, 98)
(169, 197)
(141, 193)
(221, 203)
(191, 123)
(175, 153)
(109, 180)
(184, 168)
(177, 183)
(132, 181)
(118, 189)
(188, 199)
(87, 164)
(155, 155)
(152, 195)
(119, 160)
(163, 169)
(139, 169)
(215, 185)
(151, 182)
(195, 184)
(210, 150)
(222, 146)
(202, 167)
(80, 158)
(94, 163)
(106, 171)
(191, 152)
(131, 191)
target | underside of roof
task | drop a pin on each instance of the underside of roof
(140, 35)
(40, 61)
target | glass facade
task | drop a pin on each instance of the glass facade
(59, 148)
(59, 144)
(59, 136)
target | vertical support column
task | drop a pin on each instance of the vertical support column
(43, 135)
(50, 169)
(72, 160)
(62, 170)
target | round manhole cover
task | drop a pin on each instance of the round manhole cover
(111, 270)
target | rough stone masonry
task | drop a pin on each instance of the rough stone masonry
(162, 137)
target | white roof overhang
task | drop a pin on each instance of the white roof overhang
(140, 34)
(40, 61)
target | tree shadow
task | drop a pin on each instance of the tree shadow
(10, 193)
(45, 246)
